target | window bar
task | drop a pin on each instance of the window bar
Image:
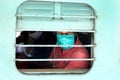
(36, 71)
(82, 30)
(75, 9)
(53, 45)
(73, 59)
(79, 16)
(38, 8)
(73, 30)
(37, 15)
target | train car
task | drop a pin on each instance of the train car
(59, 39)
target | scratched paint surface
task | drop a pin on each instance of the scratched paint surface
(107, 50)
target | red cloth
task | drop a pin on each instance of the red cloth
(75, 52)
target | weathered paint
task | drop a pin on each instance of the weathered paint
(107, 54)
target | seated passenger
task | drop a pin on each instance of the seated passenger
(22, 39)
(36, 38)
(47, 38)
(64, 52)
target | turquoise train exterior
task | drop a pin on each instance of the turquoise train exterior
(106, 52)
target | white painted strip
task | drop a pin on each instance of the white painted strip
(41, 71)
(37, 15)
(79, 16)
(74, 59)
(73, 30)
(54, 45)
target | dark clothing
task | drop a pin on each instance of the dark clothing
(46, 38)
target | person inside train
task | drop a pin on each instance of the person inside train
(24, 38)
(69, 52)
(47, 38)
(36, 38)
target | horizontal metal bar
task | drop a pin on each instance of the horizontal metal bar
(74, 59)
(75, 9)
(35, 15)
(40, 0)
(54, 45)
(82, 30)
(79, 16)
(73, 30)
(41, 71)
(39, 8)
(52, 16)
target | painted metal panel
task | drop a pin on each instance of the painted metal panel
(107, 63)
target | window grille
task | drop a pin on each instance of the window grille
(56, 16)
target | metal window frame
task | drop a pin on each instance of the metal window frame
(58, 16)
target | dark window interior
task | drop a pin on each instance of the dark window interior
(47, 38)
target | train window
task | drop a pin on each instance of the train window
(54, 37)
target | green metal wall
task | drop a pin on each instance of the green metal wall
(107, 55)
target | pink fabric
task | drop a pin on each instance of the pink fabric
(75, 52)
